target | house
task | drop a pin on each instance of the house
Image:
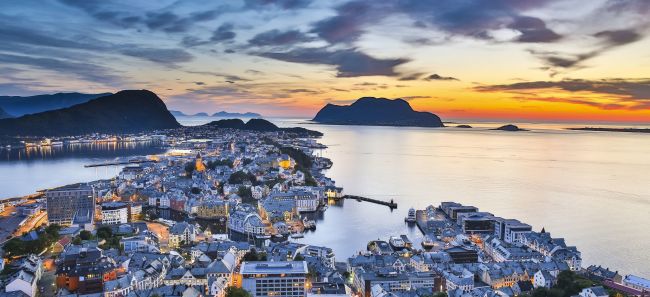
(598, 291)
(636, 282)
(60, 245)
(24, 281)
(543, 279)
(522, 287)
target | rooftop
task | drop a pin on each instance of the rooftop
(274, 267)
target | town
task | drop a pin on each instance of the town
(222, 211)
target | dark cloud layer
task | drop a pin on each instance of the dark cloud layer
(277, 37)
(348, 63)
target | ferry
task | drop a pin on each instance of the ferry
(410, 218)
(427, 242)
(397, 243)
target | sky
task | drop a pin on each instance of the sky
(520, 60)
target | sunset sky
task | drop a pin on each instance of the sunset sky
(558, 60)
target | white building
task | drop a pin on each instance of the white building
(637, 283)
(282, 278)
(305, 201)
(543, 279)
(115, 213)
(23, 281)
(594, 292)
(182, 232)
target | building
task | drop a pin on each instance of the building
(283, 278)
(181, 233)
(70, 203)
(135, 212)
(213, 210)
(84, 270)
(23, 281)
(244, 222)
(305, 201)
(461, 255)
(115, 213)
(598, 291)
(637, 283)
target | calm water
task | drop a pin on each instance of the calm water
(25, 171)
(589, 187)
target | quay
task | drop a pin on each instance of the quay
(114, 163)
(391, 204)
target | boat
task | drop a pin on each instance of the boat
(410, 218)
(407, 242)
(309, 224)
(56, 143)
(397, 243)
(427, 242)
(297, 235)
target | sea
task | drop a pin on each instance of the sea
(590, 188)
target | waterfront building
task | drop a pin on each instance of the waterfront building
(68, 204)
(245, 222)
(213, 210)
(305, 201)
(598, 291)
(282, 278)
(636, 282)
(115, 213)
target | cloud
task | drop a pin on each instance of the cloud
(284, 4)
(163, 56)
(413, 76)
(627, 93)
(85, 71)
(348, 62)
(277, 37)
(438, 77)
(348, 24)
(533, 30)
(619, 37)
(223, 33)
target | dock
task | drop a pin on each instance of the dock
(391, 204)
(115, 163)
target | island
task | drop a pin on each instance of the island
(127, 111)
(224, 114)
(201, 114)
(509, 127)
(602, 129)
(373, 111)
(464, 126)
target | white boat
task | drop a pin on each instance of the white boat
(309, 224)
(397, 243)
(57, 143)
(411, 216)
(427, 242)
(297, 235)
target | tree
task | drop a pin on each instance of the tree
(195, 190)
(85, 235)
(76, 241)
(104, 232)
(253, 255)
(246, 195)
(236, 292)
(189, 168)
(299, 257)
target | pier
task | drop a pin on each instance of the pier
(391, 204)
(115, 163)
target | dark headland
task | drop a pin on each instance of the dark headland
(130, 111)
(509, 127)
(259, 125)
(373, 111)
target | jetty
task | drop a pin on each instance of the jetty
(391, 204)
(115, 163)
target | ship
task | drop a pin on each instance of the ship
(410, 218)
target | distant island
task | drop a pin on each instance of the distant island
(464, 126)
(236, 114)
(220, 114)
(509, 127)
(260, 125)
(629, 130)
(373, 111)
(129, 111)
(17, 106)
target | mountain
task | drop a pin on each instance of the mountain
(177, 113)
(19, 106)
(4, 114)
(377, 112)
(236, 114)
(128, 111)
(201, 114)
(259, 125)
